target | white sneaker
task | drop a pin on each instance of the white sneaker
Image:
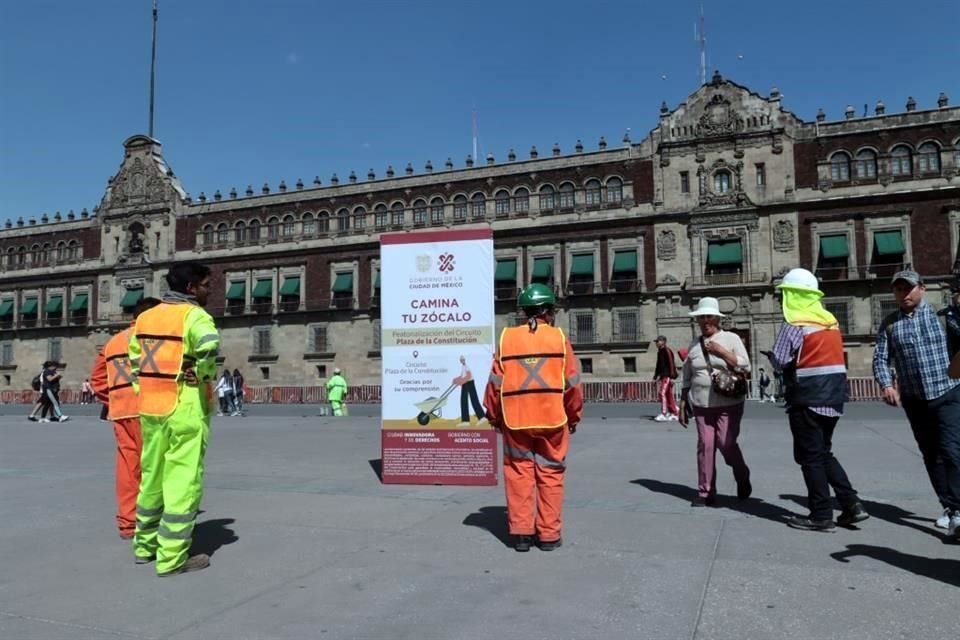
(64, 418)
(673, 417)
(953, 529)
(943, 522)
(220, 413)
(234, 414)
(482, 422)
(661, 418)
(44, 420)
(463, 425)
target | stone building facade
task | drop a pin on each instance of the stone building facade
(726, 193)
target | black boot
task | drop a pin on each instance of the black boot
(523, 543)
(809, 524)
(852, 514)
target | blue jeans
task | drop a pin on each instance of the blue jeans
(936, 428)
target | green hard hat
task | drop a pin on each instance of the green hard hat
(536, 295)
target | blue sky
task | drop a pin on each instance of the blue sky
(251, 91)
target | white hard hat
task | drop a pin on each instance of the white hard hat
(800, 280)
(336, 369)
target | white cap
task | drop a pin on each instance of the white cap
(707, 307)
(336, 370)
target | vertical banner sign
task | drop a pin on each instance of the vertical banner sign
(437, 343)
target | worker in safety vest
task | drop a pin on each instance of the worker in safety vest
(534, 399)
(112, 382)
(173, 349)
(336, 392)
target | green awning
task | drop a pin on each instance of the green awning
(291, 286)
(376, 281)
(6, 308)
(542, 268)
(263, 289)
(721, 253)
(29, 307)
(237, 291)
(79, 302)
(343, 283)
(582, 265)
(625, 262)
(506, 271)
(54, 305)
(131, 298)
(834, 247)
(889, 243)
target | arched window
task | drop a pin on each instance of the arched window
(521, 200)
(309, 225)
(460, 207)
(289, 228)
(547, 199)
(343, 220)
(359, 219)
(253, 231)
(45, 253)
(380, 216)
(323, 223)
(501, 204)
(61, 252)
(721, 181)
(21, 256)
(436, 211)
(396, 215)
(840, 167)
(478, 206)
(866, 164)
(592, 193)
(567, 196)
(420, 213)
(615, 190)
(207, 235)
(273, 229)
(956, 154)
(73, 250)
(240, 232)
(9, 260)
(928, 158)
(35, 254)
(223, 233)
(901, 161)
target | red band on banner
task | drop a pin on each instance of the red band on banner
(436, 236)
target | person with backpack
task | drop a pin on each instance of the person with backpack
(664, 374)
(913, 340)
(237, 393)
(763, 384)
(48, 381)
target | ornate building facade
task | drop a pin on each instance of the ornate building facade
(726, 193)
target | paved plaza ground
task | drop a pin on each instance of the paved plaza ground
(307, 543)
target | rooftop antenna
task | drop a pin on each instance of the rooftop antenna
(473, 119)
(700, 37)
(153, 67)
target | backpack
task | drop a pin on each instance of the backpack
(35, 383)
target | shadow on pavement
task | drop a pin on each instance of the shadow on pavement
(377, 466)
(751, 507)
(886, 512)
(494, 520)
(210, 535)
(942, 569)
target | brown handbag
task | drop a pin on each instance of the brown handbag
(731, 383)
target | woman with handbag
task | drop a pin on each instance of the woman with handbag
(714, 391)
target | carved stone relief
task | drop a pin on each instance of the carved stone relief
(667, 245)
(105, 291)
(783, 235)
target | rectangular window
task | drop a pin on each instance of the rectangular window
(318, 339)
(321, 371)
(436, 214)
(626, 326)
(420, 216)
(623, 275)
(460, 210)
(262, 345)
(581, 274)
(6, 357)
(582, 327)
(265, 373)
(55, 349)
(888, 252)
(567, 198)
(375, 330)
(684, 182)
(521, 203)
(832, 262)
(725, 261)
(542, 270)
(586, 365)
(380, 219)
(839, 308)
(479, 208)
(630, 365)
(761, 174)
(502, 207)
(883, 307)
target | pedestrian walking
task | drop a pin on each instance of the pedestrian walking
(238, 392)
(763, 383)
(535, 400)
(337, 393)
(914, 342)
(716, 410)
(224, 391)
(173, 352)
(809, 350)
(112, 383)
(951, 320)
(664, 374)
(49, 401)
(86, 392)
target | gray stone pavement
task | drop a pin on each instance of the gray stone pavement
(307, 543)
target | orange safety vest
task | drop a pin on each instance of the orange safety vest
(533, 365)
(122, 402)
(160, 333)
(820, 375)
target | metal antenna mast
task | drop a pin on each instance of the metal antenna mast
(153, 67)
(700, 37)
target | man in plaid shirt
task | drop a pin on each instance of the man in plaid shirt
(914, 342)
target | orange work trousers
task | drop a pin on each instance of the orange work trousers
(534, 461)
(129, 446)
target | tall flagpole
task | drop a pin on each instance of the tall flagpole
(153, 66)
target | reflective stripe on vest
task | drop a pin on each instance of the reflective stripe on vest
(122, 396)
(821, 371)
(160, 332)
(533, 364)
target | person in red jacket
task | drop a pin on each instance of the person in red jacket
(534, 399)
(112, 382)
